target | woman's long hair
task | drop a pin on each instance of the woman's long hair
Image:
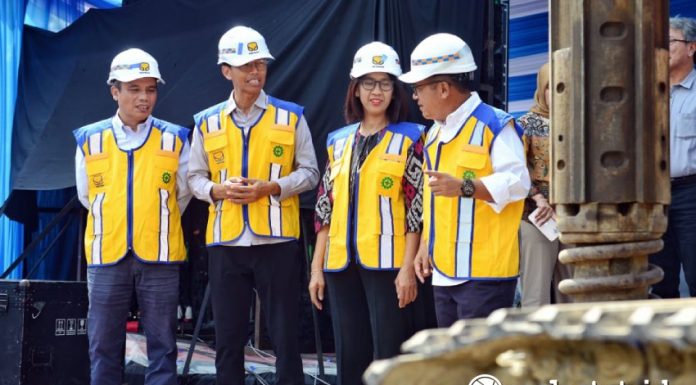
(396, 112)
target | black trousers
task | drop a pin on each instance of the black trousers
(679, 243)
(367, 321)
(274, 270)
(472, 299)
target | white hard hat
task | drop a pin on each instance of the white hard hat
(240, 45)
(442, 53)
(375, 57)
(134, 64)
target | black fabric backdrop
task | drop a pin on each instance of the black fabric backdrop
(62, 76)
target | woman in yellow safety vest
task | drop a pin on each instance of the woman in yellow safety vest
(368, 217)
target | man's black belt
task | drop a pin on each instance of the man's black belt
(688, 179)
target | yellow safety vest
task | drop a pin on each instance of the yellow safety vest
(267, 152)
(466, 238)
(132, 195)
(378, 228)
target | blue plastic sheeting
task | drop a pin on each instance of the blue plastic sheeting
(54, 15)
(522, 87)
(529, 35)
(529, 49)
(529, 42)
(11, 24)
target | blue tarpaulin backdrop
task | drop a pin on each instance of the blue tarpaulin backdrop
(11, 24)
(62, 75)
(52, 15)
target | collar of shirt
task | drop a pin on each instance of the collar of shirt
(453, 121)
(688, 81)
(126, 137)
(261, 102)
(118, 125)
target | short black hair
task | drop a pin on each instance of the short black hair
(463, 82)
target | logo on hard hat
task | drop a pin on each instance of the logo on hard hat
(379, 59)
(144, 66)
(252, 46)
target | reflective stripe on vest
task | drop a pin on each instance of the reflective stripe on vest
(282, 118)
(386, 241)
(98, 228)
(95, 148)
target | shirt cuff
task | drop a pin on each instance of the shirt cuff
(284, 189)
(498, 188)
(208, 188)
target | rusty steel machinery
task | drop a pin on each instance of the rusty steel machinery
(630, 343)
(610, 183)
(610, 147)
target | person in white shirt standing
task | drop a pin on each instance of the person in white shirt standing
(251, 156)
(680, 238)
(478, 180)
(130, 172)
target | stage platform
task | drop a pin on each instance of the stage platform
(260, 365)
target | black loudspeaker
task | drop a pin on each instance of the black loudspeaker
(43, 333)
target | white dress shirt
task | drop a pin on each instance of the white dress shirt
(305, 176)
(128, 139)
(509, 181)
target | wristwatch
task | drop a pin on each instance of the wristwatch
(467, 188)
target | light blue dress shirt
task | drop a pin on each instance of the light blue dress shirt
(682, 127)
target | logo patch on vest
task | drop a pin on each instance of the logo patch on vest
(278, 151)
(98, 180)
(166, 177)
(468, 174)
(252, 46)
(219, 157)
(387, 182)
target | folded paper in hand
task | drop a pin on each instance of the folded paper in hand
(549, 228)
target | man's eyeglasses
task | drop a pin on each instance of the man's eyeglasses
(415, 88)
(260, 65)
(369, 84)
(678, 40)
